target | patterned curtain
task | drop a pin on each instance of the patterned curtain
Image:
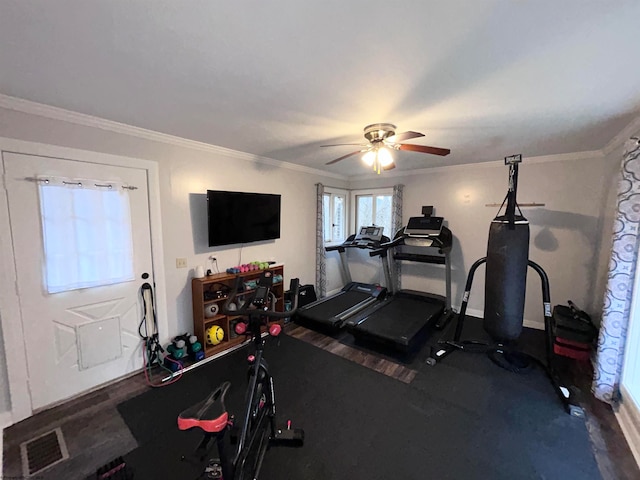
(396, 224)
(321, 259)
(622, 268)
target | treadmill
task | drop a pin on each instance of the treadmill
(402, 320)
(331, 312)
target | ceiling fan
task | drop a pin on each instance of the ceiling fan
(382, 139)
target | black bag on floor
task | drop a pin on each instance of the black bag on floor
(573, 332)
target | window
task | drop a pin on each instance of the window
(630, 382)
(373, 207)
(87, 233)
(335, 215)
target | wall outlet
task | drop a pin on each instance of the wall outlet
(181, 263)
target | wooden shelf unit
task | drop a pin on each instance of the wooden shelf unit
(220, 282)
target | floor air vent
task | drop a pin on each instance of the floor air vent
(42, 452)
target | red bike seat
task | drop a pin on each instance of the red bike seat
(210, 415)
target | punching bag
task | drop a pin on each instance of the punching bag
(506, 279)
(507, 261)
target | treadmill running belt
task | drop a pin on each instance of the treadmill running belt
(326, 312)
(399, 320)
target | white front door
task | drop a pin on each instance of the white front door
(79, 339)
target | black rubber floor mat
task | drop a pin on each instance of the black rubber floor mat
(477, 420)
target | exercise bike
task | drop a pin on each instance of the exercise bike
(241, 449)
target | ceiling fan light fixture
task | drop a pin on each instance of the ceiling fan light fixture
(378, 158)
(382, 139)
(384, 157)
(377, 132)
(369, 157)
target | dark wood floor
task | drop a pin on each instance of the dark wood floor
(93, 430)
(95, 433)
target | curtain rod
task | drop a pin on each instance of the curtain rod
(344, 188)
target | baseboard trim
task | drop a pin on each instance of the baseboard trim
(6, 419)
(628, 416)
(527, 323)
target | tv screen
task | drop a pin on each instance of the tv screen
(238, 217)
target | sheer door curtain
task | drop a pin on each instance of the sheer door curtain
(87, 232)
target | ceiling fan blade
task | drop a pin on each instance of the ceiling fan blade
(340, 144)
(343, 157)
(424, 149)
(399, 137)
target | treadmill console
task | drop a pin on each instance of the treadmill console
(368, 236)
(423, 232)
(371, 233)
(424, 227)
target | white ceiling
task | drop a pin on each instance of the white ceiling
(279, 78)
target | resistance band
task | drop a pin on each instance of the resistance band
(152, 351)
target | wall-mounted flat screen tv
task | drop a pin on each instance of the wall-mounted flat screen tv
(240, 217)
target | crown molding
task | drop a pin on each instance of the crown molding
(56, 113)
(563, 157)
(633, 129)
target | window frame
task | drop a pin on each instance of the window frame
(354, 194)
(334, 193)
(629, 378)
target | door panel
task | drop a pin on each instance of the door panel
(79, 339)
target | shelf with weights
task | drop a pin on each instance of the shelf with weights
(214, 329)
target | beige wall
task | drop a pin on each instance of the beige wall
(565, 234)
(5, 397)
(570, 235)
(185, 175)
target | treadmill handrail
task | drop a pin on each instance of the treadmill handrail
(438, 244)
(384, 247)
(352, 244)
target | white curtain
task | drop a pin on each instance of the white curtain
(396, 224)
(86, 227)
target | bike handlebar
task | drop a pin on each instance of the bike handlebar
(247, 311)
